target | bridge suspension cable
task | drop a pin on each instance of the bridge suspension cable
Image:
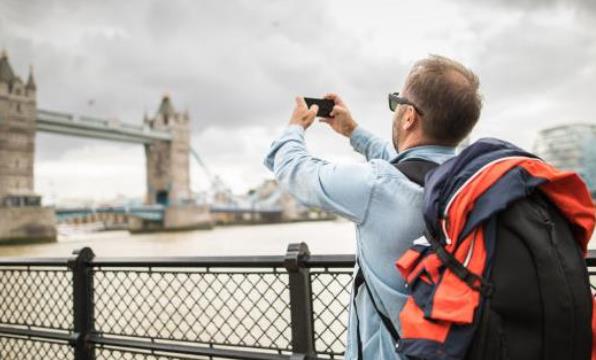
(197, 157)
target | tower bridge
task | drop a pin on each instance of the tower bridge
(165, 137)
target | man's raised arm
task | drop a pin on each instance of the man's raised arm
(364, 142)
(342, 189)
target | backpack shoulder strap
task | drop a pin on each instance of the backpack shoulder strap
(416, 169)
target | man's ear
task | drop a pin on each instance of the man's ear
(409, 119)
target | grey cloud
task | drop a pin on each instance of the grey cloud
(580, 6)
(238, 64)
(227, 62)
(219, 60)
(522, 60)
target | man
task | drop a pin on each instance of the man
(436, 109)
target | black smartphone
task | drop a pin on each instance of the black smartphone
(325, 106)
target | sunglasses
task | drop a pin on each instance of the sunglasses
(395, 99)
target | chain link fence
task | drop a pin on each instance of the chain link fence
(34, 349)
(84, 307)
(38, 297)
(331, 301)
(261, 308)
(234, 308)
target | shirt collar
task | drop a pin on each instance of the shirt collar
(426, 152)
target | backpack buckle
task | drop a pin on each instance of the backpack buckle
(479, 284)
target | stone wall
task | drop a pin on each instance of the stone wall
(27, 224)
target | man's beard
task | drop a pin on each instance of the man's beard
(396, 131)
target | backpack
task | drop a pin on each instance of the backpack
(534, 299)
(541, 306)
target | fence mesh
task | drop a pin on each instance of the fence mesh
(124, 354)
(27, 349)
(249, 309)
(331, 301)
(36, 297)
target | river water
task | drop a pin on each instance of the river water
(323, 237)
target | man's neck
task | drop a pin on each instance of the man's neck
(418, 141)
(410, 143)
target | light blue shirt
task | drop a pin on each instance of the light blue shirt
(384, 205)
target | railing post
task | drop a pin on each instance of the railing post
(303, 340)
(82, 281)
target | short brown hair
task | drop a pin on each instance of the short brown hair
(447, 93)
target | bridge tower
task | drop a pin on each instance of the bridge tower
(21, 214)
(168, 175)
(168, 180)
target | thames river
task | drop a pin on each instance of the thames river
(324, 237)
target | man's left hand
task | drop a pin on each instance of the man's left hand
(302, 115)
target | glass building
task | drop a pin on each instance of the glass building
(570, 147)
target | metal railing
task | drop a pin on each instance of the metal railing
(251, 307)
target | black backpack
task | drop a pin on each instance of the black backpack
(540, 306)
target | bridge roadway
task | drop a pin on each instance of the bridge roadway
(97, 128)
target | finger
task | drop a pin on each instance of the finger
(300, 102)
(337, 110)
(336, 99)
(309, 116)
(330, 96)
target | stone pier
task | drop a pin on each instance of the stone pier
(27, 225)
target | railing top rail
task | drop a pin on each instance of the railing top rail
(330, 261)
(191, 261)
(17, 261)
(205, 261)
(223, 261)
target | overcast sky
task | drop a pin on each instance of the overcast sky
(237, 65)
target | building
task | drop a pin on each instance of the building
(570, 147)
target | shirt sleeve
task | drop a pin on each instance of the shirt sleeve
(371, 146)
(344, 189)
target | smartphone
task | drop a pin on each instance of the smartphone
(325, 106)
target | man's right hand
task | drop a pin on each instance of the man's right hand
(341, 120)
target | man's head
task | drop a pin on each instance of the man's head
(446, 95)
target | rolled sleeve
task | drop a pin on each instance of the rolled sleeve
(371, 146)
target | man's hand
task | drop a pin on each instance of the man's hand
(341, 120)
(302, 115)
